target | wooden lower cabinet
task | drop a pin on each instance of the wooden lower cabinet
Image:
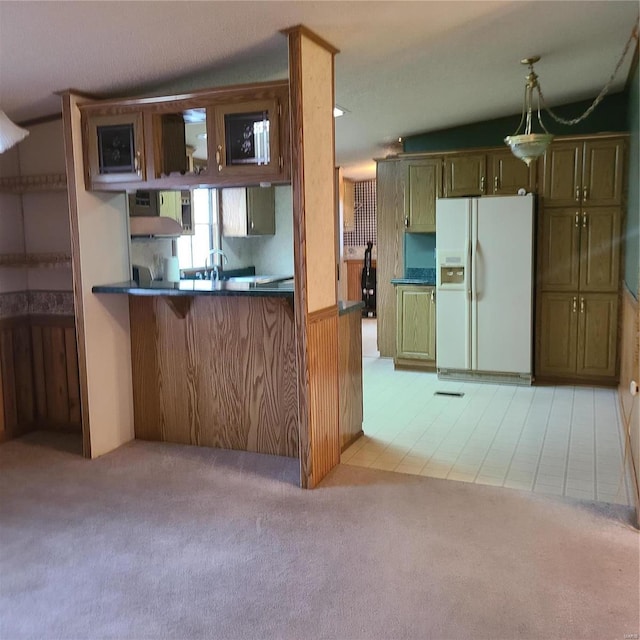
(416, 333)
(578, 336)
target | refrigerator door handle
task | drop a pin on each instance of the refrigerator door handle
(473, 325)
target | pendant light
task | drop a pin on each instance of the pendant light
(529, 145)
(10, 133)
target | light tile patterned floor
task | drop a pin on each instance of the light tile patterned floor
(560, 440)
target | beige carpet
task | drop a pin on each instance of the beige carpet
(167, 541)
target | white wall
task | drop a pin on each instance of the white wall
(103, 257)
(271, 255)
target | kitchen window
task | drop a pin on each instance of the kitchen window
(194, 249)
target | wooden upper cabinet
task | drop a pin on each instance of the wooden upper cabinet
(563, 174)
(345, 200)
(579, 249)
(423, 184)
(248, 211)
(602, 173)
(584, 173)
(220, 137)
(114, 148)
(599, 248)
(559, 239)
(247, 139)
(508, 174)
(465, 175)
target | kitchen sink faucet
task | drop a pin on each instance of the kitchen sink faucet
(215, 271)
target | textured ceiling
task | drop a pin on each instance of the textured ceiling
(403, 67)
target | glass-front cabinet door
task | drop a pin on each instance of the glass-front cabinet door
(247, 139)
(115, 148)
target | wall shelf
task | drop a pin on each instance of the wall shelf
(27, 184)
(36, 260)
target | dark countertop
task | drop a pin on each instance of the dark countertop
(418, 275)
(419, 281)
(283, 289)
(348, 306)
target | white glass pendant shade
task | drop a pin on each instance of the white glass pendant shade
(530, 146)
(10, 133)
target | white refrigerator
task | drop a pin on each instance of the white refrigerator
(484, 279)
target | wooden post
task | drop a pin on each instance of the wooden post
(311, 78)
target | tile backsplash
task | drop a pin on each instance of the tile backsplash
(419, 251)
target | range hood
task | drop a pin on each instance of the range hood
(154, 226)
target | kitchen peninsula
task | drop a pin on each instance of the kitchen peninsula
(213, 364)
(223, 368)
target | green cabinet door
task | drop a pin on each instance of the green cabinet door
(465, 175)
(423, 185)
(416, 337)
(597, 334)
(602, 173)
(558, 332)
(559, 253)
(599, 249)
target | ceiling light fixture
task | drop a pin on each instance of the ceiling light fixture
(529, 145)
(10, 133)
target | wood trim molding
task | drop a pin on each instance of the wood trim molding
(206, 96)
(68, 104)
(301, 30)
(41, 120)
(323, 314)
(418, 155)
(299, 255)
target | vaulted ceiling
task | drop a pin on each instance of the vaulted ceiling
(403, 67)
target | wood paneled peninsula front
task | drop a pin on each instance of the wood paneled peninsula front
(214, 363)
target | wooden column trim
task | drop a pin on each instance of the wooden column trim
(303, 319)
(323, 314)
(299, 252)
(300, 30)
(72, 186)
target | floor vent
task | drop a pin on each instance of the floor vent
(455, 394)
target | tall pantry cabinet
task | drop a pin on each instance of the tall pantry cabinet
(580, 222)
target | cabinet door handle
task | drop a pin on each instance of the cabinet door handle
(585, 191)
(575, 304)
(495, 184)
(577, 194)
(406, 222)
(581, 305)
(432, 295)
(253, 226)
(482, 181)
(584, 220)
(219, 157)
(136, 163)
(577, 219)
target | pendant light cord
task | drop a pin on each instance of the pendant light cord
(602, 94)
